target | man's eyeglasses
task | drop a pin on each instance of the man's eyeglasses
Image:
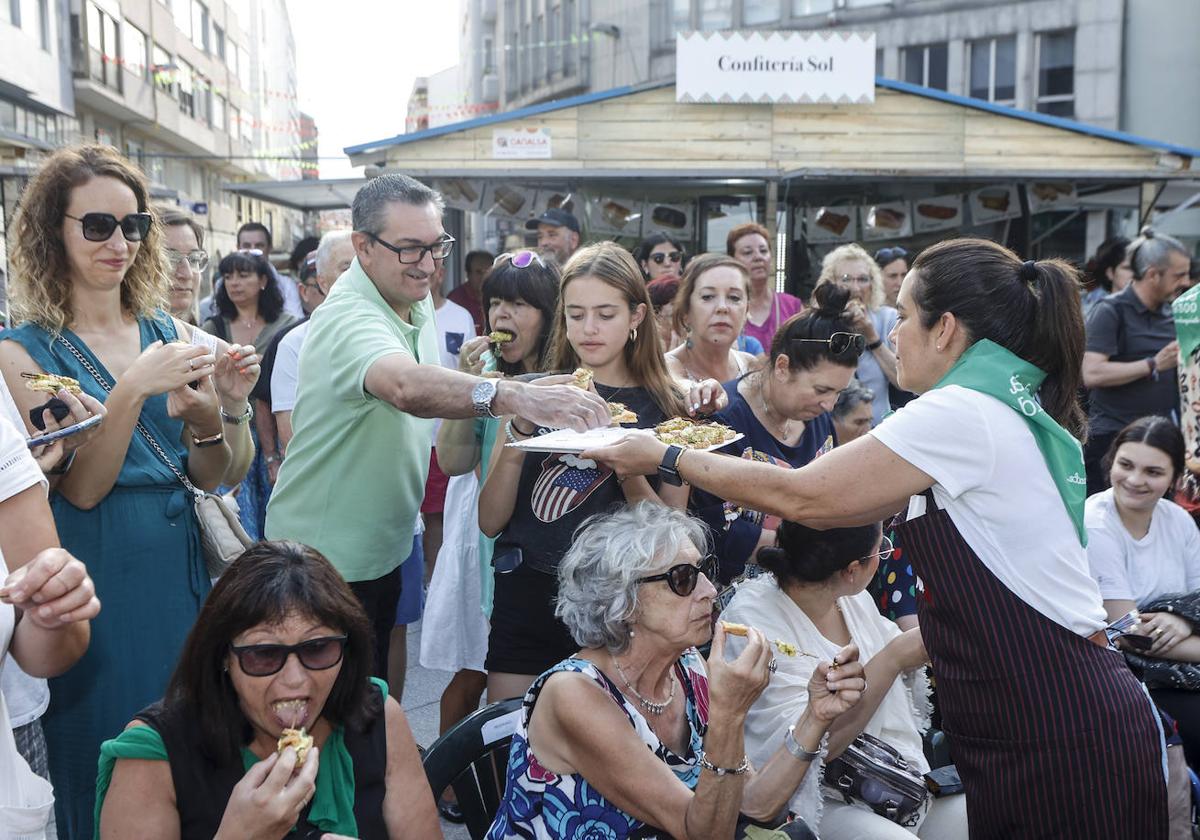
(855, 279)
(98, 227)
(315, 655)
(839, 342)
(886, 549)
(886, 255)
(198, 260)
(660, 257)
(683, 578)
(313, 284)
(520, 259)
(413, 254)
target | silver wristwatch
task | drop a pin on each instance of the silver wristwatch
(793, 746)
(242, 419)
(482, 397)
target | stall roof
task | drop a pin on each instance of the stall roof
(331, 194)
(909, 131)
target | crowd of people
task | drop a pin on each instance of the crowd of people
(917, 495)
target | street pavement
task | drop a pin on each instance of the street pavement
(422, 691)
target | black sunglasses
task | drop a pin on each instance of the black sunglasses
(886, 255)
(660, 257)
(413, 254)
(98, 227)
(683, 578)
(839, 342)
(265, 660)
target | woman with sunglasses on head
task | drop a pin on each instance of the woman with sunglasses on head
(815, 597)
(893, 265)
(634, 734)
(852, 268)
(710, 311)
(250, 311)
(660, 255)
(987, 463)
(534, 502)
(88, 288)
(281, 645)
(519, 295)
(782, 410)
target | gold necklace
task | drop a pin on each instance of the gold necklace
(762, 398)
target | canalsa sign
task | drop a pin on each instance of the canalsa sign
(817, 67)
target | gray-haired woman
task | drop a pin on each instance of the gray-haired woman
(852, 413)
(634, 590)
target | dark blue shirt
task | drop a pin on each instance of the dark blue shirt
(736, 530)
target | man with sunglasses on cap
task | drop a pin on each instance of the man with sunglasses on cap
(557, 234)
(370, 384)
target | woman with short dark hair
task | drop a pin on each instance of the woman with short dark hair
(281, 644)
(988, 464)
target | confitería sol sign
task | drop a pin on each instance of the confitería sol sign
(775, 67)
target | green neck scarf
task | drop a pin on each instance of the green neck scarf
(991, 369)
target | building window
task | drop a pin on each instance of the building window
(681, 17)
(187, 89)
(243, 67)
(162, 70)
(182, 12)
(510, 64)
(219, 42)
(759, 11)
(135, 52)
(200, 26)
(879, 62)
(926, 66)
(994, 70)
(14, 13)
(202, 96)
(555, 37)
(716, 14)
(104, 45)
(539, 49)
(1056, 73)
(219, 106)
(235, 122)
(527, 58)
(570, 42)
(489, 55)
(44, 23)
(811, 7)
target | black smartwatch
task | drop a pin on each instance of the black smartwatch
(668, 470)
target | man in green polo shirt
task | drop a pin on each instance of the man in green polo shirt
(369, 383)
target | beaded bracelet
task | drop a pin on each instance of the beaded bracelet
(705, 764)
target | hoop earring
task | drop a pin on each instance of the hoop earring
(633, 334)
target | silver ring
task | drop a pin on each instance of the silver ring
(773, 665)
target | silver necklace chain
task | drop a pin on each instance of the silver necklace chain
(762, 399)
(649, 705)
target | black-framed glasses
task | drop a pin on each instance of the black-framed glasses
(197, 259)
(313, 284)
(520, 259)
(412, 254)
(660, 257)
(315, 655)
(683, 578)
(98, 227)
(839, 342)
(886, 549)
(886, 255)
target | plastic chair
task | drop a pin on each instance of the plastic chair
(472, 758)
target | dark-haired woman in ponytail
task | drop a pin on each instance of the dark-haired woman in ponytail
(783, 411)
(815, 597)
(1052, 734)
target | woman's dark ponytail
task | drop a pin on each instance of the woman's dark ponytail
(1057, 341)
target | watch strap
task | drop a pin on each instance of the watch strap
(875, 345)
(668, 470)
(211, 440)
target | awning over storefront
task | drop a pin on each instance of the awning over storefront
(332, 194)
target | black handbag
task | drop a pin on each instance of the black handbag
(873, 773)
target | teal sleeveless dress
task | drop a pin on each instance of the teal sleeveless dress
(141, 545)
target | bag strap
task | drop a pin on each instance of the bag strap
(142, 430)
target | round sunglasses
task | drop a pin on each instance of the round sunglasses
(315, 655)
(660, 257)
(98, 227)
(682, 578)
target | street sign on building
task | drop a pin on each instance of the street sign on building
(200, 208)
(825, 67)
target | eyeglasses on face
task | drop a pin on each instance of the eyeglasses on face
(520, 259)
(855, 279)
(682, 578)
(313, 284)
(315, 655)
(886, 255)
(98, 227)
(660, 257)
(198, 259)
(413, 254)
(886, 549)
(839, 342)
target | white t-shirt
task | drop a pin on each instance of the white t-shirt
(26, 697)
(1166, 561)
(992, 480)
(285, 374)
(455, 326)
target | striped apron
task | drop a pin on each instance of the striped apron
(1051, 733)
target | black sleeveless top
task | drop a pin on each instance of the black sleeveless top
(203, 788)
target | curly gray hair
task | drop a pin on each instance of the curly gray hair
(597, 578)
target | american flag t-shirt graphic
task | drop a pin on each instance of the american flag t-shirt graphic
(562, 487)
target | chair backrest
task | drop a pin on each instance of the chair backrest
(471, 758)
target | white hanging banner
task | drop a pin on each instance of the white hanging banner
(775, 67)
